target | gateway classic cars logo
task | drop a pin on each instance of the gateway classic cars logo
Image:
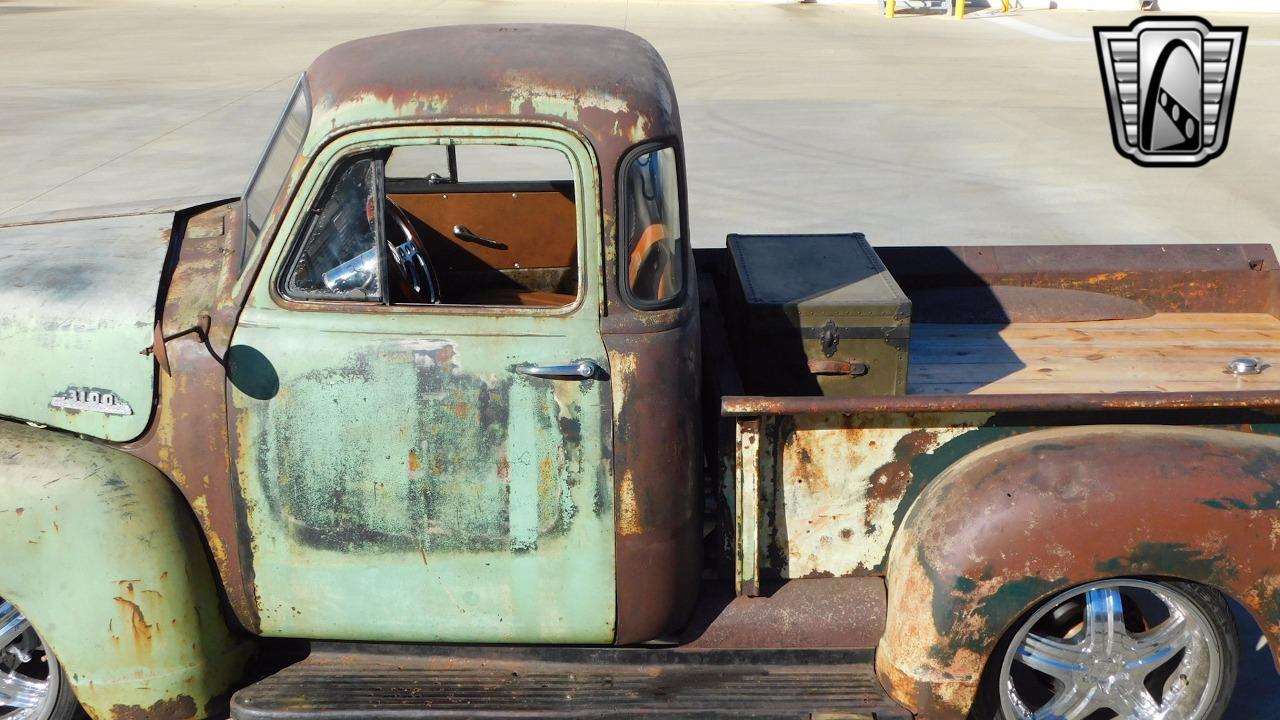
(1170, 86)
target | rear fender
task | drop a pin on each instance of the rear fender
(102, 556)
(1027, 517)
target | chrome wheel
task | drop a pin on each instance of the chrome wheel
(1127, 649)
(30, 678)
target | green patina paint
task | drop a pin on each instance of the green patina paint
(102, 558)
(958, 601)
(401, 482)
(995, 611)
(1170, 559)
(1265, 467)
(78, 309)
(927, 466)
(954, 601)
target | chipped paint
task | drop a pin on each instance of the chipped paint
(628, 515)
(78, 304)
(407, 437)
(137, 620)
(1056, 508)
(657, 460)
(529, 96)
(840, 482)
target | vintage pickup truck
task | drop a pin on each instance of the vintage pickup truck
(446, 418)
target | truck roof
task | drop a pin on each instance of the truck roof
(608, 84)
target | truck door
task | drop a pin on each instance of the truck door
(420, 397)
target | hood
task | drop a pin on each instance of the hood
(77, 306)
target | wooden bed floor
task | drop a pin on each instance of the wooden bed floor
(1168, 352)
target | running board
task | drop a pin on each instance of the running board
(382, 682)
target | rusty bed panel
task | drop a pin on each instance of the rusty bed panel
(841, 485)
(832, 489)
(972, 524)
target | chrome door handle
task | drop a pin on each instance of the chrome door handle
(462, 233)
(580, 370)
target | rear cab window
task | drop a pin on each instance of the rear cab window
(653, 238)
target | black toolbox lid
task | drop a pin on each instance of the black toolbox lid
(815, 277)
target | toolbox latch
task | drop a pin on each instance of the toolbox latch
(830, 338)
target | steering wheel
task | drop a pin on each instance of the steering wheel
(410, 257)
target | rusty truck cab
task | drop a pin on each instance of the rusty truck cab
(604, 98)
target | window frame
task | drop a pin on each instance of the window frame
(624, 288)
(301, 89)
(582, 160)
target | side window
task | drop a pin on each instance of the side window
(653, 241)
(469, 224)
(497, 225)
(338, 258)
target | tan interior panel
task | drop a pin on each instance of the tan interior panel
(539, 228)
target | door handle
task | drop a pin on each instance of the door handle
(462, 233)
(579, 370)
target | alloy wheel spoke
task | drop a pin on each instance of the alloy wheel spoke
(20, 691)
(1133, 701)
(1052, 657)
(1104, 619)
(1072, 701)
(1155, 646)
(12, 624)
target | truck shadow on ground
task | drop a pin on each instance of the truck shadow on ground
(1257, 695)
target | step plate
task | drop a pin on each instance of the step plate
(377, 682)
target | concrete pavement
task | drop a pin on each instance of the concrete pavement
(800, 118)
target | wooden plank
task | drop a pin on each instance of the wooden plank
(1165, 353)
(967, 355)
(1165, 320)
(1150, 335)
(1112, 373)
(1110, 328)
(1066, 387)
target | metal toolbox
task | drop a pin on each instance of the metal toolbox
(816, 315)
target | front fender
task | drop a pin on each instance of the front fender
(1029, 516)
(103, 558)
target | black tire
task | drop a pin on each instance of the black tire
(65, 706)
(1210, 602)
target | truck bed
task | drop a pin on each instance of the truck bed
(1167, 352)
